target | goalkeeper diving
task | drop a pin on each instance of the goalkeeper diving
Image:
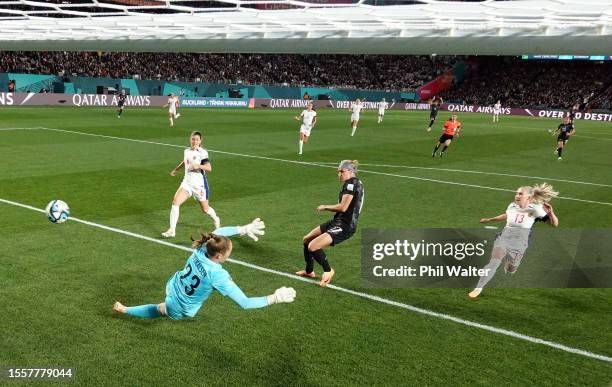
(188, 289)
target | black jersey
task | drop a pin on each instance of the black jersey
(435, 106)
(565, 129)
(352, 186)
(122, 98)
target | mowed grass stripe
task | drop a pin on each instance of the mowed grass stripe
(317, 164)
(427, 312)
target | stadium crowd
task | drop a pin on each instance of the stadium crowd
(518, 82)
(379, 72)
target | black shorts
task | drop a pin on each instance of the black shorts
(433, 115)
(563, 138)
(120, 104)
(338, 231)
(445, 137)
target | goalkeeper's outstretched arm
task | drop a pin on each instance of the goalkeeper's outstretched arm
(281, 295)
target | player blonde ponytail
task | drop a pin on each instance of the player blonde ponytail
(214, 244)
(542, 193)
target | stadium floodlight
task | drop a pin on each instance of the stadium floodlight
(578, 27)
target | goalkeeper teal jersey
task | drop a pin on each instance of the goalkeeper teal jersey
(189, 288)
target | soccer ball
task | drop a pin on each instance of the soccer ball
(57, 211)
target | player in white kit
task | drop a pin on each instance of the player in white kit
(496, 111)
(172, 105)
(196, 163)
(309, 119)
(382, 106)
(530, 205)
(355, 109)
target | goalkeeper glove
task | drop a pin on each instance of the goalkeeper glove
(256, 227)
(281, 295)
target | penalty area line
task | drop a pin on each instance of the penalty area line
(371, 297)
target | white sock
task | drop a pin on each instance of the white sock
(171, 122)
(354, 130)
(301, 146)
(211, 212)
(492, 266)
(174, 215)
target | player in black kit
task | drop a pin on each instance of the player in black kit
(435, 106)
(340, 228)
(565, 130)
(121, 103)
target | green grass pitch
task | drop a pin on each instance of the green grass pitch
(59, 281)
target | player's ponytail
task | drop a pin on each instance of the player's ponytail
(213, 243)
(542, 193)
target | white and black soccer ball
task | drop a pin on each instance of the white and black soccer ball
(57, 211)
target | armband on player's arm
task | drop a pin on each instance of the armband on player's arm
(206, 165)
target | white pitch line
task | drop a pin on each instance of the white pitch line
(477, 172)
(594, 138)
(427, 312)
(319, 165)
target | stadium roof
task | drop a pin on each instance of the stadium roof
(315, 26)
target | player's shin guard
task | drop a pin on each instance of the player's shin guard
(321, 258)
(174, 216)
(144, 311)
(309, 259)
(490, 270)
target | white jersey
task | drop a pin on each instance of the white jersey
(518, 217)
(308, 117)
(192, 158)
(382, 106)
(497, 108)
(356, 108)
(172, 104)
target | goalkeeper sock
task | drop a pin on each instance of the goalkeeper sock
(492, 268)
(144, 311)
(321, 258)
(308, 258)
(174, 215)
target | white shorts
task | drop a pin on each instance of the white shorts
(354, 117)
(515, 243)
(496, 112)
(172, 111)
(198, 191)
(381, 112)
(305, 129)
